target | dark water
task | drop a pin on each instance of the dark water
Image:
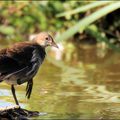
(84, 84)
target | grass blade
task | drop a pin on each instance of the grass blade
(82, 24)
(84, 8)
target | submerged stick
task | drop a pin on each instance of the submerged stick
(15, 113)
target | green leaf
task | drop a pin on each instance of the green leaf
(83, 8)
(82, 24)
(7, 30)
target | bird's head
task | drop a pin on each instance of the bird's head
(44, 40)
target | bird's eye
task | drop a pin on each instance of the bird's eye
(46, 38)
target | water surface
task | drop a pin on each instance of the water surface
(85, 86)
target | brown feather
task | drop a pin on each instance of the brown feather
(19, 56)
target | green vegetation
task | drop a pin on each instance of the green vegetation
(78, 81)
(68, 18)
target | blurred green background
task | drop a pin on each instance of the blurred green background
(81, 79)
(65, 19)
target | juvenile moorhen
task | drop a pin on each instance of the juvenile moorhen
(20, 62)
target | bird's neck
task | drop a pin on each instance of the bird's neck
(41, 51)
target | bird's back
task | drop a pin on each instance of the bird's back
(20, 62)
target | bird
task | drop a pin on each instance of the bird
(20, 62)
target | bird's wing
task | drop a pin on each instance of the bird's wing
(22, 53)
(16, 59)
(6, 64)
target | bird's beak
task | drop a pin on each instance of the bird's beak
(54, 44)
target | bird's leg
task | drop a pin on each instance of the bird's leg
(29, 88)
(14, 95)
